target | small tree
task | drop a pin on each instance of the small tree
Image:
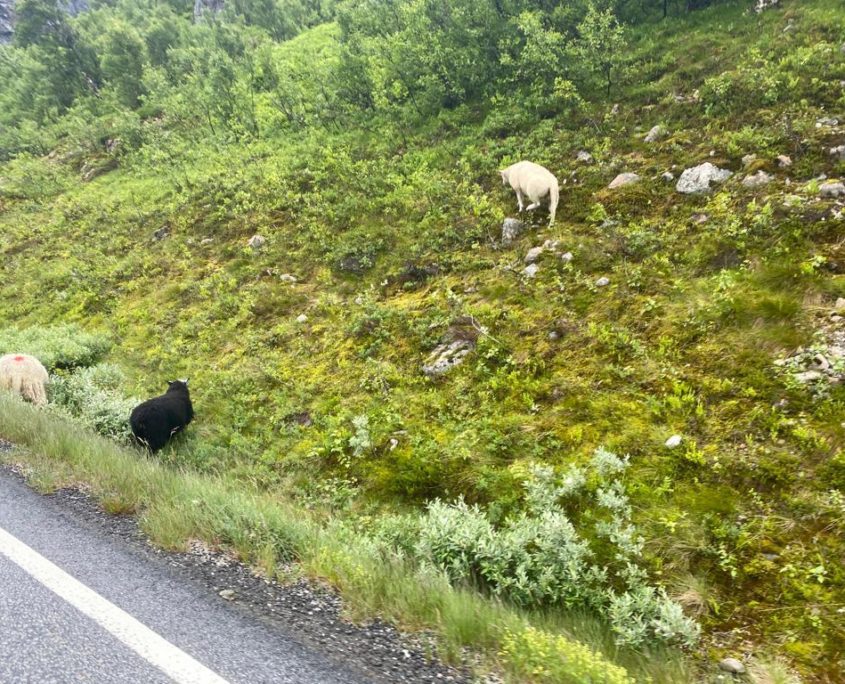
(601, 45)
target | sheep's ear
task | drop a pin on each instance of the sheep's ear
(185, 380)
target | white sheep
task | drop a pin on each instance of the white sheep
(535, 181)
(24, 375)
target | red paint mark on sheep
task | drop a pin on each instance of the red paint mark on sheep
(19, 358)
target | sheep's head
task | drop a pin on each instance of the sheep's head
(177, 385)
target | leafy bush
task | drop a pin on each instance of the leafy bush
(92, 396)
(543, 657)
(538, 558)
(62, 346)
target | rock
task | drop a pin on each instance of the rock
(206, 241)
(700, 218)
(808, 376)
(614, 110)
(698, 178)
(784, 161)
(668, 176)
(302, 318)
(511, 229)
(446, 356)
(551, 245)
(838, 152)
(603, 282)
(832, 189)
(827, 121)
(656, 133)
(764, 5)
(839, 307)
(352, 264)
(758, 180)
(257, 242)
(228, 594)
(623, 179)
(287, 278)
(531, 270)
(732, 665)
(749, 159)
(820, 363)
(202, 7)
(91, 171)
(161, 233)
(533, 254)
(584, 157)
(566, 257)
(673, 441)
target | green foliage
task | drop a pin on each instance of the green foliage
(57, 347)
(542, 657)
(94, 397)
(538, 558)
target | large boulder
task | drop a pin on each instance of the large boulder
(698, 178)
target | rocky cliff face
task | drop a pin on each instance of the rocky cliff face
(6, 20)
(203, 6)
(7, 16)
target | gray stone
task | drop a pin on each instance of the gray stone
(287, 278)
(839, 307)
(257, 241)
(533, 254)
(732, 665)
(832, 189)
(302, 318)
(623, 179)
(698, 178)
(668, 176)
(603, 282)
(827, 121)
(228, 594)
(808, 376)
(700, 218)
(673, 441)
(531, 270)
(206, 241)
(511, 229)
(784, 161)
(838, 152)
(749, 159)
(759, 179)
(446, 356)
(656, 133)
(566, 257)
(584, 157)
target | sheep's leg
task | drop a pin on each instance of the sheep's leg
(519, 200)
(532, 206)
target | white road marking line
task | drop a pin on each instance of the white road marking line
(156, 650)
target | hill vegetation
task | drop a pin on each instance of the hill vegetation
(140, 151)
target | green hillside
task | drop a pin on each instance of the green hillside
(366, 156)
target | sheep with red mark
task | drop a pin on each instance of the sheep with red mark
(25, 376)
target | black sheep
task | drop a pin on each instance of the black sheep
(155, 420)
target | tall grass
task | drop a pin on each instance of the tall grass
(175, 506)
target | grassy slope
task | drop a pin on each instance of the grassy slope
(738, 517)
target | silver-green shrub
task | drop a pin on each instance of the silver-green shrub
(539, 558)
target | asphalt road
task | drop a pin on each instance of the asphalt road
(76, 606)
